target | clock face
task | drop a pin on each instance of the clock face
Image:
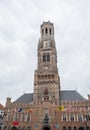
(45, 44)
(46, 67)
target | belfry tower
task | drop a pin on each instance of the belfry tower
(46, 78)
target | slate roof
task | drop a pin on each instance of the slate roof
(65, 95)
(25, 98)
(71, 95)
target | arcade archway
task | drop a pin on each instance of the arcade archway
(14, 128)
(81, 128)
(46, 128)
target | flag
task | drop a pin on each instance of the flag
(15, 123)
(20, 109)
(36, 125)
(57, 125)
(53, 127)
(28, 110)
(61, 108)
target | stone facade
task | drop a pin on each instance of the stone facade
(1, 115)
(48, 108)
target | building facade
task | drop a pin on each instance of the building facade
(1, 115)
(48, 107)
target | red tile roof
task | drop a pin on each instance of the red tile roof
(1, 107)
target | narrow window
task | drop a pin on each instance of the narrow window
(44, 58)
(72, 117)
(64, 116)
(48, 57)
(46, 31)
(50, 31)
(79, 117)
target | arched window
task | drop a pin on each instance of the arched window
(81, 128)
(8, 117)
(19, 128)
(64, 117)
(28, 128)
(46, 30)
(22, 117)
(8, 128)
(5, 128)
(15, 117)
(50, 31)
(64, 128)
(74, 128)
(24, 128)
(46, 57)
(79, 117)
(46, 91)
(69, 128)
(71, 117)
(87, 117)
(27, 117)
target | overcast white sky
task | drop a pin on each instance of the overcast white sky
(20, 22)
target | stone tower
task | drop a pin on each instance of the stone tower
(46, 78)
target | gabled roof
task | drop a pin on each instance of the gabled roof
(65, 95)
(70, 95)
(1, 107)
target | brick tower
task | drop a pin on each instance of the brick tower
(46, 79)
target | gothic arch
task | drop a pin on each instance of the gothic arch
(69, 128)
(14, 128)
(64, 128)
(28, 128)
(81, 128)
(5, 128)
(46, 127)
(74, 128)
(24, 128)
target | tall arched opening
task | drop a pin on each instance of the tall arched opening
(14, 128)
(81, 128)
(46, 128)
